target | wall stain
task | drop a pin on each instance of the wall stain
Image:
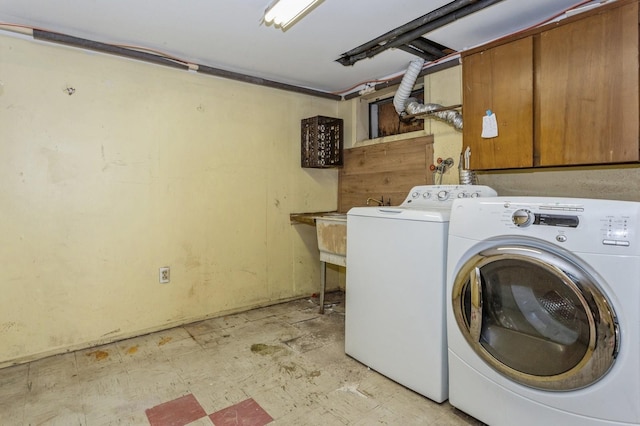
(191, 261)
(250, 272)
(132, 350)
(61, 166)
(164, 341)
(99, 355)
(4, 327)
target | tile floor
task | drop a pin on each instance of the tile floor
(280, 365)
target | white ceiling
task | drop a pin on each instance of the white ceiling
(229, 34)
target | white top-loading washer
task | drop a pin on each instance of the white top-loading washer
(543, 315)
(395, 286)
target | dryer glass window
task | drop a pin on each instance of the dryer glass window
(536, 316)
(531, 320)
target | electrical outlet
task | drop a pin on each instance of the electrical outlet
(164, 275)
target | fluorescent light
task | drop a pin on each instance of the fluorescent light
(283, 13)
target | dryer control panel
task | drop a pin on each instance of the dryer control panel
(616, 230)
(525, 217)
(575, 224)
(606, 223)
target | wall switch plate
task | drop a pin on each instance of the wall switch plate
(165, 275)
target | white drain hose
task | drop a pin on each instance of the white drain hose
(406, 86)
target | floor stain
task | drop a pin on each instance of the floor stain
(353, 388)
(99, 355)
(291, 368)
(164, 340)
(262, 349)
(132, 350)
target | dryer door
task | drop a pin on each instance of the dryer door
(536, 317)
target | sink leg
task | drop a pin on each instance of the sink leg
(323, 284)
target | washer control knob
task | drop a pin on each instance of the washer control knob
(426, 195)
(522, 218)
(443, 195)
(462, 195)
(415, 194)
(561, 238)
(475, 195)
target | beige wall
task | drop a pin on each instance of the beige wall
(609, 183)
(445, 88)
(142, 167)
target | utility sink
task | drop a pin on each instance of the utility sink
(331, 229)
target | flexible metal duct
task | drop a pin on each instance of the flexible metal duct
(451, 117)
(404, 104)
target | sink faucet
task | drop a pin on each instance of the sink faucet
(380, 201)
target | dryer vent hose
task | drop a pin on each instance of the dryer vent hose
(406, 86)
(403, 104)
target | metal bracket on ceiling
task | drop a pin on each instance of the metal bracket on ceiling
(409, 37)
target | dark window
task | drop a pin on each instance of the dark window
(385, 121)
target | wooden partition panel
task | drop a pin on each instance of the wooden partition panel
(385, 170)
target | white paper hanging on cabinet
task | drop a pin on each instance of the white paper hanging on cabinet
(489, 125)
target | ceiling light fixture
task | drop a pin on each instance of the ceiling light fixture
(284, 13)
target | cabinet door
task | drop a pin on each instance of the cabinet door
(587, 88)
(499, 79)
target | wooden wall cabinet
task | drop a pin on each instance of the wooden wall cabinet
(583, 105)
(501, 80)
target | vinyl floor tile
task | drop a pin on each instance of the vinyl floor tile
(279, 365)
(245, 413)
(178, 412)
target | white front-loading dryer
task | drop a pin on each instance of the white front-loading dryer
(543, 312)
